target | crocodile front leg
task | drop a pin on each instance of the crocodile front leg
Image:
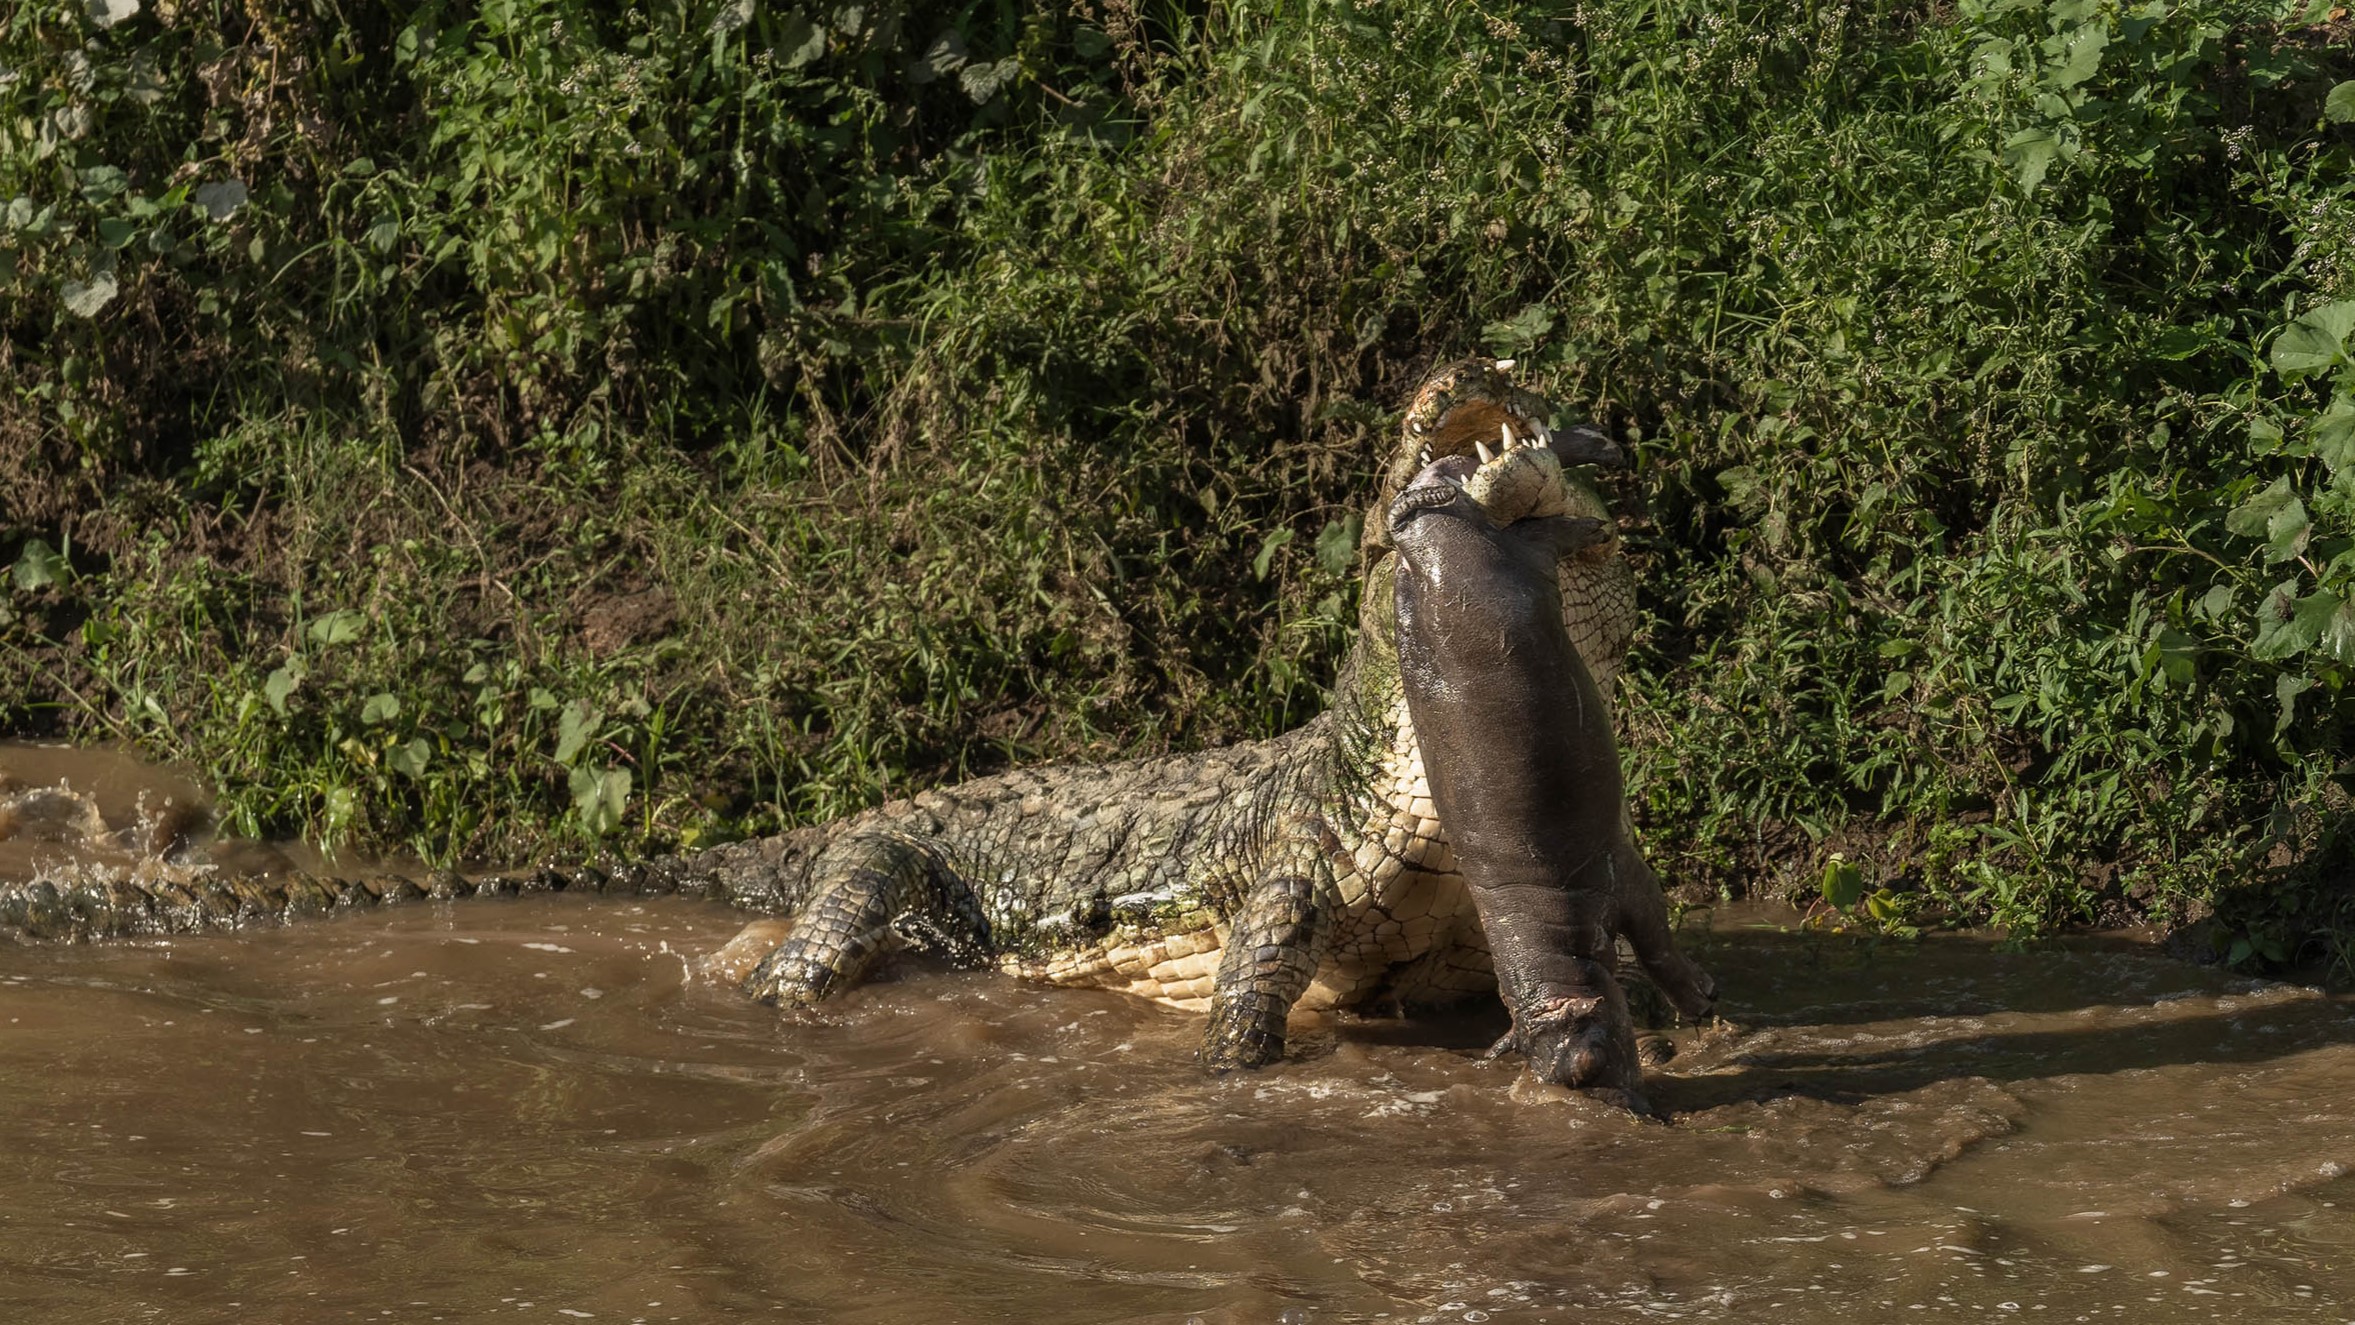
(885, 885)
(1275, 942)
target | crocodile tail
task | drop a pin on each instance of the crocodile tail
(765, 875)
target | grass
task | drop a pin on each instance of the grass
(492, 429)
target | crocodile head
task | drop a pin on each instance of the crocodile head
(1473, 408)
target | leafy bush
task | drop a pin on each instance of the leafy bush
(710, 418)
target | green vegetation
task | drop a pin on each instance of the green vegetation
(486, 428)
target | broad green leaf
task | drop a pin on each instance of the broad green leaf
(2082, 59)
(575, 729)
(338, 627)
(1519, 333)
(282, 683)
(600, 798)
(2337, 634)
(1743, 487)
(2286, 689)
(114, 231)
(946, 55)
(983, 79)
(2333, 433)
(410, 758)
(221, 198)
(380, 708)
(2314, 342)
(2250, 518)
(1337, 543)
(800, 41)
(86, 298)
(1268, 547)
(2028, 154)
(2286, 533)
(2288, 625)
(1843, 882)
(100, 183)
(2339, 106)
(38, 566)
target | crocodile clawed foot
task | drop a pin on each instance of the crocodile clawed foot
(787, 979)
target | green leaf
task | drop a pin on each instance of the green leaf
(114, 231)
(983, 80)
(2286, 689)
(38, 566)
(1743, 488)
(2028, 154)
(2333, 433)
(1268, 547)
(1337, 544)
(221, 198)
(2286, 533)
(338, 627)
(410, 759)
(600, 798)
(380, 708)
(2082, 59)
(2339, 106)
(2314, 342)
(2250, 518)
(1843, 882)
(800, 41)
(2333, 623)
(85, 298)
(945, 56)
(1519, 333)
(2288, 625)
(575, 729)
(282, 683)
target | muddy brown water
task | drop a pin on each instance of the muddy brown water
(533, 1109)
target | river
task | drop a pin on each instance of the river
(538, 1109)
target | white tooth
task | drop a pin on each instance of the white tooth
(1506, 365)
(1545, 435)
(1510, 440)
(1485, 454)
(1420, 428)
(1425, 457)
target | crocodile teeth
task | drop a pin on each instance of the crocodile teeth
(1486, 455)
(1425, 457)
(1420, 428)
(1545, 435)
(1506, 430)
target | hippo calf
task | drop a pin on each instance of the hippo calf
(1523, 765)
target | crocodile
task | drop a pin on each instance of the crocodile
(1309, 870)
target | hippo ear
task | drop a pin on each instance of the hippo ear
(1585, 444)
(1566, 536)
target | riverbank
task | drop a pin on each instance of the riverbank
(541, 427)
